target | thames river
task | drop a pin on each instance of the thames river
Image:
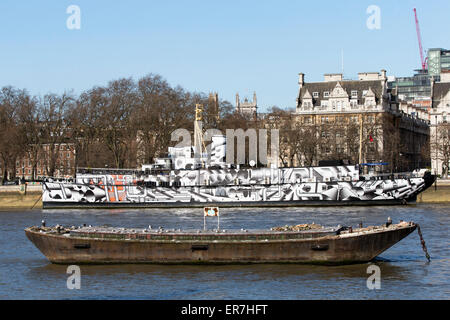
(405, 273)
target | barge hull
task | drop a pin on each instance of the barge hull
(332, 250)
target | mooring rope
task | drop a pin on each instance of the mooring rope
(424, 247)
(36, 201)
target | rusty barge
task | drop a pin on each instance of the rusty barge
(304, 244)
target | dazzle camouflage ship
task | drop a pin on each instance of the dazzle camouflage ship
(184, 180)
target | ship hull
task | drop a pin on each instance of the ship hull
(242, 204)
(286, 187)
(358, 247)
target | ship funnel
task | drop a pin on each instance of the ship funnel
(218, 150)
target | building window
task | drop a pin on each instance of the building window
(354, 93)
(315, 94)
(326, 94)
(307, 105)
(364, 93)
(307, 120)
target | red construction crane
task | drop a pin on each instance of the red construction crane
(422, 59)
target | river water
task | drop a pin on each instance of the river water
(405, 274)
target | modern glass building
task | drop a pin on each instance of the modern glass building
(417, 89)
(438, 59)
(412, 88)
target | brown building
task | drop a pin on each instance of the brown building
(62, 161)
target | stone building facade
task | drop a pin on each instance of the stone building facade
(362, 121)
(440, 125)
(247, 107)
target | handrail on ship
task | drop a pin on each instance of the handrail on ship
(139, 173)
(397, 175)
(107, 170)
(143, 183)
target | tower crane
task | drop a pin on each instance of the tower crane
(423, 60)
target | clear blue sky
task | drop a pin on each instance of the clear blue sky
(224, 46)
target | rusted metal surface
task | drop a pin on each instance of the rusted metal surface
(318, 246)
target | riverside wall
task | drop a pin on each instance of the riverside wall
(439, 193)
(21, 198)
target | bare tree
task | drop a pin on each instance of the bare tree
(30, 126)
(115, 129)
(441, 147)
(11, 140)
(160, 110)
(55, 131)
(84, 118)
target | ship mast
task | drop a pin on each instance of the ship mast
(198, 133)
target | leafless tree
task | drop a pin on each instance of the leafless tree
(114, 126)
(441, 147)
(30, 127)
(55, 130)
(11, 140)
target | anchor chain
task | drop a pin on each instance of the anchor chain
(422, 241)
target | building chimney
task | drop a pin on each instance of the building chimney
(333, 77)
(301, 79)
(301, 83)
(445, 75)
(368, 76)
